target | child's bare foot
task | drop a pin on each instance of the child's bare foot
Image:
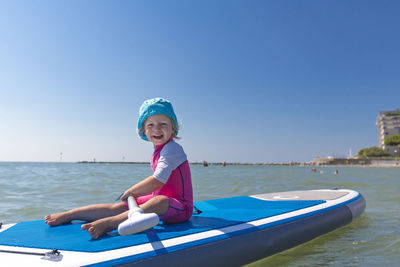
(57, 218)
(99, 227)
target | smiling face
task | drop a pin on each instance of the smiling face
(158, 129)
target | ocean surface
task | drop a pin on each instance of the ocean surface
(29, 191)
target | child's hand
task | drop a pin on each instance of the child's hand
(125, 195)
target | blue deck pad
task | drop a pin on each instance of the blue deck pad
(215, 214)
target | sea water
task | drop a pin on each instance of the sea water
(29, 191)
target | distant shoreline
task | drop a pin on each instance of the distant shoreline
(371, 163)
(311, 164)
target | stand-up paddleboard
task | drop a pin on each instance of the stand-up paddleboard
(227, 232)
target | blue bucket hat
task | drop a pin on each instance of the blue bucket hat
(152, 107)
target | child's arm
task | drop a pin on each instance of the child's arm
(148, 185)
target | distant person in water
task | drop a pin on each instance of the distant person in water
(167, 192)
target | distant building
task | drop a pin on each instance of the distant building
(388, 124)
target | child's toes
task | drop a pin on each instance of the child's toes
(86, 226)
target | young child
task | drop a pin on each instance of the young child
(168, 192)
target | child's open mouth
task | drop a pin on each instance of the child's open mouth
(157, 137)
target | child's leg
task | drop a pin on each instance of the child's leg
(158, 204)
(87, 213)
(170, 210)
(105, 225)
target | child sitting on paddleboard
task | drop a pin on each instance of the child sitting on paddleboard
(167, 192)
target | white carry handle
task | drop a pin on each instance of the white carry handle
(137, 220)
(132, 203)
(133, 207)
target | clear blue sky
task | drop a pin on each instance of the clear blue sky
(251, 81)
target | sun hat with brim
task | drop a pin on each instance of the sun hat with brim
(152, 107)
